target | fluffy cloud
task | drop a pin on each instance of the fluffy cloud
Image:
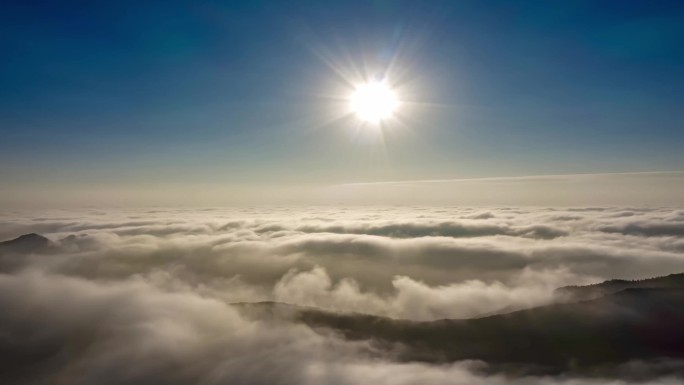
(64, 330)
(142, 296)
(245, 254)
(416, 300)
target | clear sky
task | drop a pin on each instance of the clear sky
(147, 97)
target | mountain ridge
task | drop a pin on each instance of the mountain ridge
(582, 292)
(584, 336)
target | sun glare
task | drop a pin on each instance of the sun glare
(374, 102)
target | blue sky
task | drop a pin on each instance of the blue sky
(234, 93)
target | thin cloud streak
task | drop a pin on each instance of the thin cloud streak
(554, 177)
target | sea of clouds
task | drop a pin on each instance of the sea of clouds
(142, 296)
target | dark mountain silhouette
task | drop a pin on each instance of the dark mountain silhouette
(587, 337)
(635, 324)
(578, 293)
(25, 244)
(503, 310)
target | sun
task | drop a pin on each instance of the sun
(374, 101)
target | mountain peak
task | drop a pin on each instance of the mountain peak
(27, 243)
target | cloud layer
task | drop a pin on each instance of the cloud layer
(141, 296)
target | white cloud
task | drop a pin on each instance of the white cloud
(59, 329)
(416, 300)
(360, 251)
(140, 296)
